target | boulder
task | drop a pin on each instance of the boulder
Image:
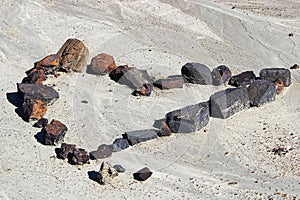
(65, 151)
(119, 168)
(102, 64)
(33, 109)
(196, 73)
(79, 157)
(41, 123)
(242, 79)
(119, 144)
(279, 85)
(188, 119)
(144, 90)
(103, 151)
(261, 92)
(226, 103)
(135, 137)
(169, 83)
(35, 76)
(220, 75)
(164, 130)
(37, 92)
(273, 74)
(73, 55)
(142, 174)
(50, 64)
(54, 132)
(106, 173)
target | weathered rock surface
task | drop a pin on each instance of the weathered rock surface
(79, 157)
(196, 73)
(33, 109)
(119, 144)
(279, 85)
(220, 75)
(169, 83)
(164, 130)
(106, 173)
(242, 79)
(119, 168)
(295, 66)
(144, 90)
(226, 103)
(103, 151)
(54, 132)
(103, 64)
(66, 150)
(35, 76)
(261, 92)
(142, 174)
(37, 92)
(135, 137)
(50, 64)
(188, 119)
(273, 74)
(73, 55)
(41, 123)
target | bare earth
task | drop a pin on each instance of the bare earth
(228, 159)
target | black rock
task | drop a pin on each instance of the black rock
(119, 168)
(79, 157)
(41, 123)
(196, 73)
(245, 78)
(188, 119)
(225, 103)
(142, 174)
(119, 144)
(220, 75)
(169, 83)
(273, 74)
(103, 151)
(261, 92)
(135, 137)
(66, 150)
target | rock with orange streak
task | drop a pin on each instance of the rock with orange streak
(54, 132)
(164, 130)
(279, 86)
(33, 109)
(35, 76)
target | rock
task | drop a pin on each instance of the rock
(164, 130)
(73, 55)
(66, 150)
(169, 83)
(144, 90)
(79, 157)
(54, 132)
(261, 92)
(135, 137)
(188, 119)
(102, 64)
(220, 75)
(118, 72)
(279, 85)
(41, 123)
(103, 151)
(37, 92)
(196, 73)
(142, 174)
(273, 74)
(245, 78)
(295, 66)
(33, 109)
(50, 64)
(106, 173)
(225, 103)
(35, 76)
(119, 168)
(120, 144)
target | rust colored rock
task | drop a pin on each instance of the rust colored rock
(164, 130)
(279, 84)
(102, 64)
(48, 62)
(35, 76)
(73, 55)
(79, 157)
(65, 150)
(54, 132)
(33, 109)
(142, 174)
(169, 83)
(144, 90)
(295, 66)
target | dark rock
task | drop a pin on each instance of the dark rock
(119, 168)
(73, 55)
(220, 75)
(37, 92)
(142, 174)
(279, 85)
(118, 72)
(106, 173)
(273, 74)
(102, 64)
(188, 119)
(54, 132)
(120, 144)
(79, 157)
(245, 78)
(144, 90)
(225, 103)
(50, 64)
(164, 130)
(103, 151)
(135, 137)
(295, 66)
(66, 150)
(35, 76)
(41, 123)
(169, 83)
(197, 73)
(33, 109)
(261, 92)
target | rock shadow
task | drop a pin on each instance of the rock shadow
(16, 101)
(93, 175)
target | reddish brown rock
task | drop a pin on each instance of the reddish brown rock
(169, 83)
(295, 66)
(144, 90)
(35, 76)
(73, 55)
(279, 84)
(79, 157)
(164, 130)
(54, 132)
(48, 62)
(33, 109)
(66, 150)
(102, 64)
(142, 174)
